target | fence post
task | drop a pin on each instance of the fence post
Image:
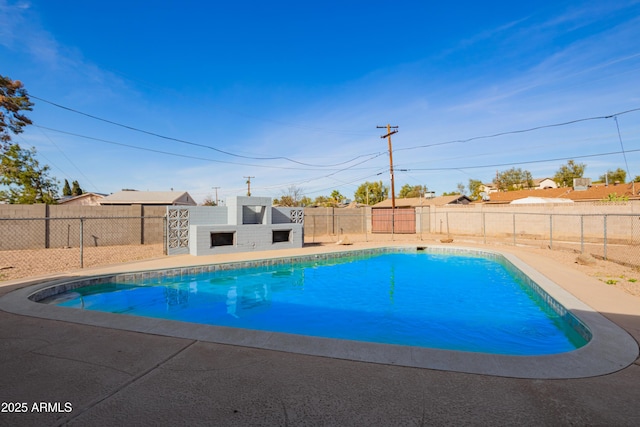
(605, 236)
(581, 234)
(393, 222)
(550, 231)
(514, 229)
(81, 242)
(447, 217)
(484, 228)
(165, 247)
(47, 228)
(364, 224)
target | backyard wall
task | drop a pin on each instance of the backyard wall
(41, 226)
(531, 221)
(54, 226)
(589, 220)
(335, 221)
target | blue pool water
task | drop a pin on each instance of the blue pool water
(466, 303)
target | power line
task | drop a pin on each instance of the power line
(152, 150)
(520, 163)
(368, 157)
(182, 141)
(350, 182)
(495, 135)
(622, 146)
(624, 154)
(336, 171)
(69, 160)
(609, 116)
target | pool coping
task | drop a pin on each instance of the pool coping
(610, 349)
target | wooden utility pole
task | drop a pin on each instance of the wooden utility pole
(388, 135)
(249, 185)
(216, 188)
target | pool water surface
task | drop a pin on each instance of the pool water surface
(445, 301)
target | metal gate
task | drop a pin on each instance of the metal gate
(400, 221)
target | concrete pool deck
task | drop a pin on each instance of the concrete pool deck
(111, 376)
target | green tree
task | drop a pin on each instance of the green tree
(612, 176)
(328, 201)
(371, 193)
(513, 179)
(13, 100)
(323, 201)
(27, 182)
(337, 197)
(75, 189)
(475, 188)
(451, 193)
(66, 189)
(408, 191)
(565, 175)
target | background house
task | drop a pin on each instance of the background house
(538, 184)
(542, 183)
(149, 198)
(85, 199)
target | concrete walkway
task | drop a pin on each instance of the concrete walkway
(61, 373)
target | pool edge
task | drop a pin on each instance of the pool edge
(610, 349)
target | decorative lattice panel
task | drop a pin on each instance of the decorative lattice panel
(297, 216)
(178, 224)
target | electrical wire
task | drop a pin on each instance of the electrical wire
(68, 159)
(182, 141)
(521, 163)
(495, 135)
(371, 156)
(368, 157)
(624, 154)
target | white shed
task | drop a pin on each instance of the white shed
(540, 200)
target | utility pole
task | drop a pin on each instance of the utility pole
(216, 188)
(388, 135)
(249, 185)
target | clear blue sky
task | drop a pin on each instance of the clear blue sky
(291, 92)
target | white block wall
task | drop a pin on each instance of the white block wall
(247, 238)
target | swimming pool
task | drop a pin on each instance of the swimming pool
(609, 349)
(464, 302)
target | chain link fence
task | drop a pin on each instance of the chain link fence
(36, 246)
(614, 237)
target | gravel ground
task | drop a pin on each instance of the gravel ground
(32, 263)
(37, 262)
(609, 273)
